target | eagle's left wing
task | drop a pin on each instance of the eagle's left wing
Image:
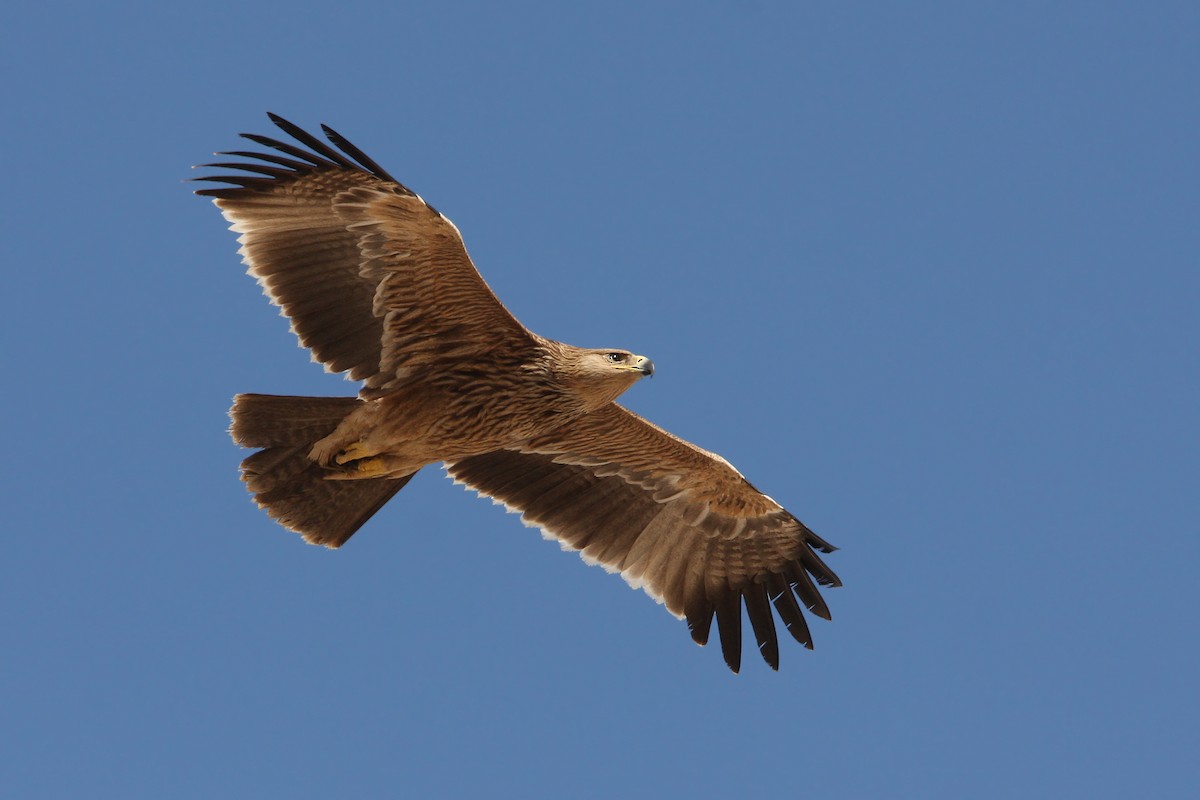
(673, 519)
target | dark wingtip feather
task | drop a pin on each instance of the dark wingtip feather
(789, 610)
(291, 149)
(243, 182)
(223, 193)
(758, 609)
(307, 139)
(260, 169)
(292, 164)
(806, 590)
(697, 607)
(699, 623)
(297, 161)
(813, 540)
(344, 144)
(728, 606)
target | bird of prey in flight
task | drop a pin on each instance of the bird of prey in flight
(378, 285)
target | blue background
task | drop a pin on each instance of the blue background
(926, 272)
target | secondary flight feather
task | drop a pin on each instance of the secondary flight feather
(378, 285)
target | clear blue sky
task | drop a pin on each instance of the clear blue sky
(928, 273)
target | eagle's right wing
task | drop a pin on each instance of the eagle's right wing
(375, 282)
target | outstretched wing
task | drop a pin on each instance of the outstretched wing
(375, 281)
(673, 519)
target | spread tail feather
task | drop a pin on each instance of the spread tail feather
(290, 486)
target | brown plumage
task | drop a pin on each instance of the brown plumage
(377, 284)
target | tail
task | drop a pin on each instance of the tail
(286, 483)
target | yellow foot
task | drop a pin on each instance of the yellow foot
(370, 467)
(362, 468)
(353, 452)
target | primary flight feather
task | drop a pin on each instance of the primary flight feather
(378, 284)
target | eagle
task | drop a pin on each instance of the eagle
(379, 286)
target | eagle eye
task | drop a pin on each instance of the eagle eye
(616, 358)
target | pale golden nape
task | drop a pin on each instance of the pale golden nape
(379, 286)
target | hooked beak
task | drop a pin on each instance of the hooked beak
(645, 365)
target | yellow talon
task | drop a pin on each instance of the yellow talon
(353, 452)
